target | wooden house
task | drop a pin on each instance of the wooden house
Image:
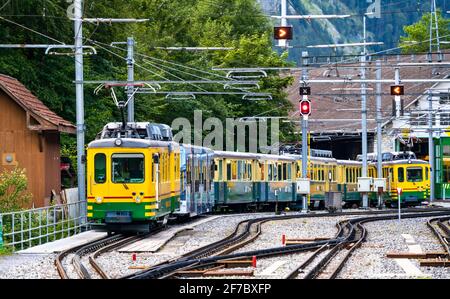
(30, 139)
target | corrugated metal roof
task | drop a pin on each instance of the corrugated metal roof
(326, 107)
(31, 103)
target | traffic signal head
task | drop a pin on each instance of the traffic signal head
(397, 90)
(284, 32)
(305, 108)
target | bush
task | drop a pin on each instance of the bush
(13, 190)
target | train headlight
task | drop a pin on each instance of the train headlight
(138, 199)
(98, 199)
(118, 142)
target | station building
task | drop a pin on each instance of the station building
(30, 139)
(335, 123)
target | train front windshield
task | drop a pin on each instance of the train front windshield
(128, 168)
(414, 174)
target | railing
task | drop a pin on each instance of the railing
(24, 229)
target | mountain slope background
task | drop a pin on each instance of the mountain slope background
(395, 14)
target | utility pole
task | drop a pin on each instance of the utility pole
(379, 122)
(282, 42)
(431, 145)
(305, 133)
(364, 127)
(78, 29)
(398, 99)
(130, 67)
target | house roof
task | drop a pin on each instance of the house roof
(337, 109)
(31, 104)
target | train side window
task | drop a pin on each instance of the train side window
(228, 170)
(401, 174)
(426, 173)
(220, 169)
(233, 170)
(100, 168)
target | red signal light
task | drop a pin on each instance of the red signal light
(305, 108)
(284, 32)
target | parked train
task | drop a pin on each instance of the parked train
(137, 176)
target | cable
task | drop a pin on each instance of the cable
(32, 30)
(4, 5)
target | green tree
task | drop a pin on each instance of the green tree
(236, 23)
(418, 34)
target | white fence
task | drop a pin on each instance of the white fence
(24, 229)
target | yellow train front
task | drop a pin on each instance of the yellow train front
(132, 184)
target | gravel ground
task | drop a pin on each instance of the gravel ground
(28, 267)
(117, 264)
(369, 261)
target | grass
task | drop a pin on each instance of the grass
(5, 251)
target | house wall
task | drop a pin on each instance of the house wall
(29, 150)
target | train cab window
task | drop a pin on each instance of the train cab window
(401, 174)
(414, 174)
(128, 168)
(100, 168)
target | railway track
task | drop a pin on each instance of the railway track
(440, 227)
(79, 252)
(93, 250)
(350, 235)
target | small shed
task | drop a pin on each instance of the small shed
(30, 139)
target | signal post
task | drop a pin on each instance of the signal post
(305, 112)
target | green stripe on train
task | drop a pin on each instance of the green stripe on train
(137, 210)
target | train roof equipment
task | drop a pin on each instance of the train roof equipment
(137, 130)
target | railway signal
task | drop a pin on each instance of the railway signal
(305, 108)
(305, 91)
(397, 90)
(283, 33)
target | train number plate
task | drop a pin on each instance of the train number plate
(118, 217)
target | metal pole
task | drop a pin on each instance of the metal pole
(364, 126)
(399, 203)
(397, 98)
(78, 28)
(364, 33)
(130, 89)
(283, 42)
(379, 123)
(305, 134)
(431, 145)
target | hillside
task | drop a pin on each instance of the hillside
(394, 15)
